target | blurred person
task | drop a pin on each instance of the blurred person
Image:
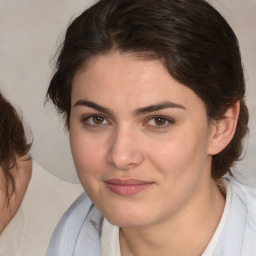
(15, 164)
(31, 202)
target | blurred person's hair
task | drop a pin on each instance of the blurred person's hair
(13, 143)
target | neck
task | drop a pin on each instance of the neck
(185, 234)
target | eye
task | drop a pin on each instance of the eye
(159, 121)
(94, 120)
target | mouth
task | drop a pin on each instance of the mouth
(127, 187)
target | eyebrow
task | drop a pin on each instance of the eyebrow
(139, 111)
(93, 105)
(159, 106)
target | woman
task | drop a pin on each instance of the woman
(153, 96)
(15, 165)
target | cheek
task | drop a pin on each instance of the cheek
(183, 153)
(86, 153)
(86, 157)
(170, 158)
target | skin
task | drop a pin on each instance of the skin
(22, 172)
(115, 133)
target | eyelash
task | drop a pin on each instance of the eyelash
(85, 121)
(166, 121)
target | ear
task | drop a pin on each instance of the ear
(222, 131)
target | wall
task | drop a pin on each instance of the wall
(29, 35)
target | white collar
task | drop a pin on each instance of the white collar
(226, 189)
(110, 245)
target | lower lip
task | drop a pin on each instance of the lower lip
(127, 190)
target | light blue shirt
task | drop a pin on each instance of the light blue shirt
(79, 231)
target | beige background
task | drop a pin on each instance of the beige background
(29, 34)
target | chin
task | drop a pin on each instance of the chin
(127, 219)
(126, 222)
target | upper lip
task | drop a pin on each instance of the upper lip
(127, 182)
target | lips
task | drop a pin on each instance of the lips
(127, 187)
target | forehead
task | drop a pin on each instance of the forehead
(128, 78)
(126, 65)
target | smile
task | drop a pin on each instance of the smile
(127, 187)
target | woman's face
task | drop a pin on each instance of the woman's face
(139, 140)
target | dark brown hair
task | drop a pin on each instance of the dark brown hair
(12, 142)
(190, 37)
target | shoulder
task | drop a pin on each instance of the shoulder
(244, 197)
(239, 233)
(67, 232)
(244, 193)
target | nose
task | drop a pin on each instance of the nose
(124, 149)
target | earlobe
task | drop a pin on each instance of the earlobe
(223, 130)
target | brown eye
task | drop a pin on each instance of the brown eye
(160, 121)
(94, 120)
(97, 119)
